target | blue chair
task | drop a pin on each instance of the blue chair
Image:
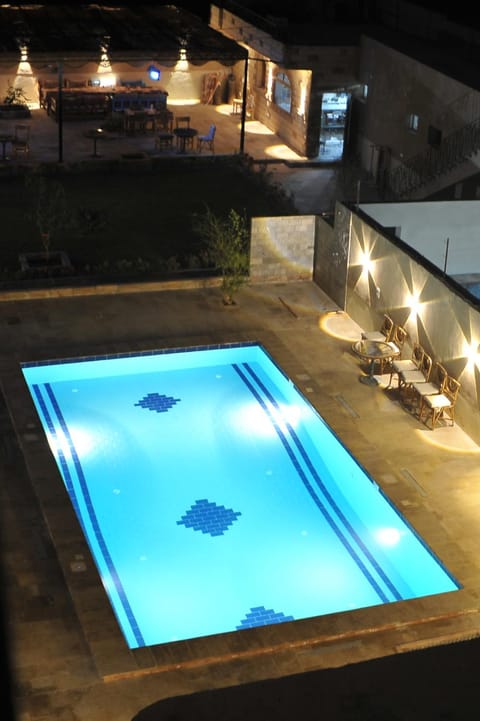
(207, 140)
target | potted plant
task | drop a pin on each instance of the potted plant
(15, 103)
(50, 215)
(226, 241)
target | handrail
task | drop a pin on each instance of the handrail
(425, 167)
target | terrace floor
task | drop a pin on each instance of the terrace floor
(68, 661)
(311, 182)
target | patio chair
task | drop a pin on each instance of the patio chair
(182, 121)
(207, 140)
(384, 333)
(164, 141)
(396, 341)
(430, 388)
(406, 378)
(21, 139)
(403, 364)
(442, 405)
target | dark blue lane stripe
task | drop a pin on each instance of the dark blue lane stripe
(383, 575)
(61, 457)
(92, 515)
(321, 506)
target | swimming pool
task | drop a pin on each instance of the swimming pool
(214, 498)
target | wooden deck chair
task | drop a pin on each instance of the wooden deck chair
(21, 139)
(406, 378)
(442, 405)
(384, 333)
(404, 364)
(430, 388)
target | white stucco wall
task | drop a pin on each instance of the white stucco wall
(426, 226)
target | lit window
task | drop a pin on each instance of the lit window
(413, 121)
(365, 92)
(282, 92)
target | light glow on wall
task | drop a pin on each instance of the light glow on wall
(302, 103)
(106, 76)
(269, 88)
(414, 304)
(366, 262)
(472, 354)
(25, 80)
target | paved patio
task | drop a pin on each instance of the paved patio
(311, 183)
(68, 661)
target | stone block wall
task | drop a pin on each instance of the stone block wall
(282, 248)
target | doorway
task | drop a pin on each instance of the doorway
(333, 124)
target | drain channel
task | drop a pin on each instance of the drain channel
(340, 399)
(413, 482)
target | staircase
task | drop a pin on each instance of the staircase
(426, 167)
(454, 149)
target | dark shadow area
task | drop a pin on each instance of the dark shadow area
(439, 683)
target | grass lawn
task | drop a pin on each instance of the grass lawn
(136, 218)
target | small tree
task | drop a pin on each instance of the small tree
(226, 248)
(49, 212)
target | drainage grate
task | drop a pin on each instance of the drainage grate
(412, 480)
(340, 399)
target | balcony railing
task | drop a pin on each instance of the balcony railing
(426, 167)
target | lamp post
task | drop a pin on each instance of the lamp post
(244, 107)
(60, 110)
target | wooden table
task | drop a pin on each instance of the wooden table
(182, 135)
(96, 134)
(373, 351)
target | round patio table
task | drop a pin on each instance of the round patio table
(184, 134)
(96, 134)
(373, 351)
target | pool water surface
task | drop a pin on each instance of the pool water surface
(214, 498)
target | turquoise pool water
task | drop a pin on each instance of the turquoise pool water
(214, 497)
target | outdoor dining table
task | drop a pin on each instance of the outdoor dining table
(4, 139)
(373, 351)
(184, 134)
(95, 134)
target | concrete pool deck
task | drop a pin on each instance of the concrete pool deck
(67, 658)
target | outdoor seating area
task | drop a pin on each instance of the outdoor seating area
(81, 101)
(423, 385)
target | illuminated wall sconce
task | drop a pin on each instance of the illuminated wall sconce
(413, 303)
(154, 72)
(366, 263)
(472, 354)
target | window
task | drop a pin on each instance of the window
(413, 121)
(282, 94)
(364, 92)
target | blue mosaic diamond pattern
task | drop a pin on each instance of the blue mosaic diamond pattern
(260, 616)
(207, 517)
(156, 402)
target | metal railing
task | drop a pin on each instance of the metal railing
(426, 167)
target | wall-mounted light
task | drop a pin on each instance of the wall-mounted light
(472, 354)
(413, 303)
(366, 263)
(154, 72)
